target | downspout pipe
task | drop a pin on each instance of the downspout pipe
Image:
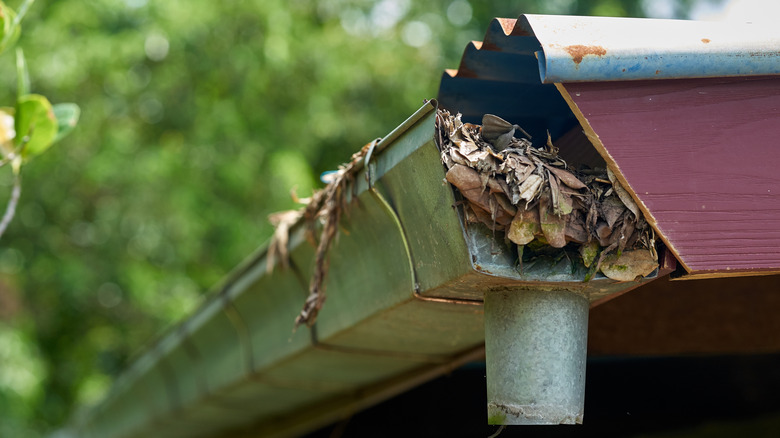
(535, 354)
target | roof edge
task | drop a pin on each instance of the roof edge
(579, 49)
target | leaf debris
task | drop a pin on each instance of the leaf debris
(323, 208)
(537, 200)
(529, 194)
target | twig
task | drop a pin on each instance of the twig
(16, 152)
(22, 11)
(327, 204)
(8, 158)
(10, 210)
(498, 432)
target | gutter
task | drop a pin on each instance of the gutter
(405, 290)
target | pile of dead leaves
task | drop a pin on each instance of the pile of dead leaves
(538, 202)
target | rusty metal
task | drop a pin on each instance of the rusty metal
(512, 71)
(577, 49)
(449, 300)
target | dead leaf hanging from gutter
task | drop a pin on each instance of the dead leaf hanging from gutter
(278, 248)
(324, 209)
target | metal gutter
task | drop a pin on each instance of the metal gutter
(240, 345)
(405, 289)
(585, 49)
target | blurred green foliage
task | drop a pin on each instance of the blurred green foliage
(199, 117)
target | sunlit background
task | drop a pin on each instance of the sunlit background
(199, 118)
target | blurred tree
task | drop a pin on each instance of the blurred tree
(29, 125)
(199, 118)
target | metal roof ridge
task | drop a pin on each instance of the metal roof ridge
(593, 49)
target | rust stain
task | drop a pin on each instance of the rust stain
(705, 40)
(507, 24)
(481, 269)
(579, 51)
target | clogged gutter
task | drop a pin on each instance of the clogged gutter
(537, 202)
(528, 195)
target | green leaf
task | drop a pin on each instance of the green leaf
(67, 115)
(589, 251)
(9, 28)
(22, 74)
(35, 124)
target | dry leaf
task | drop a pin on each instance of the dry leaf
(524, 227)
(553, 226)
(504, 203)
(554, 193)
(530, 187)
(611, 208)
(623, 194)
(629, 265)
(575, 229)
(486, 219)
(567, 178)
(466, 147)
(499, 186)
(278, 249)
(498, 214)
(565, 204)
(469, 182)
(625, 233)
(589, 251)
(603, 233)
(497, 131)
(458, 158)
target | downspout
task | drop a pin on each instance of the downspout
(535, 354)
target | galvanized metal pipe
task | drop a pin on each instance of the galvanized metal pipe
(535, 348)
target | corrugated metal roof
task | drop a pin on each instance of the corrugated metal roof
(500, 75)
(576, 49)
(512, 71)
(586, 49)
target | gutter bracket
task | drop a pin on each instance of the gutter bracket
(367, 164)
